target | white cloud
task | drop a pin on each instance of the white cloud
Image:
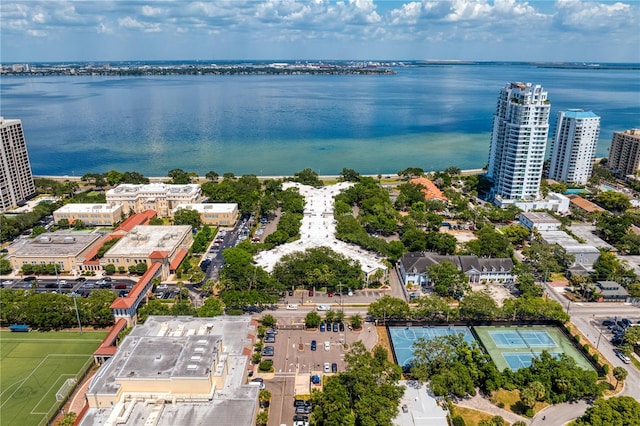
(247, 26)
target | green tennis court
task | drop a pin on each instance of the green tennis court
(35, 367)
(515, 347)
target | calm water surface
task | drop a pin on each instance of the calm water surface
(430, 117)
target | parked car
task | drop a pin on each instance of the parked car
(269, 338)
(327, 367)
(120, 286)
(260, 382)
(299, 403)
(625, 322)
(322, 327)
(341, 326)
(608, 323)
(271, 331)
(81, 279)
(334, 367)
(303, 409)
(292, 307)
(622, 356)
(327, 346)
(313, 345)
(268, 351)
(335, 327)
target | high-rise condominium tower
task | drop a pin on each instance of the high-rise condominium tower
(573, 148)
(624, 154)
(16, 180)
(518, 142)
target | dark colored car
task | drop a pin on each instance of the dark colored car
(608, 323)
(299, 403)
(303, 410)
(120, 286)
(313, 345)
(335, 327)
(268, 351)
(51, 285)
(81, 279)
(625, 322)
(29, 279)
(341, 326)
(334, 368)
(300, 418)
(106, 279)
(310, 292)
(322, 327)
(269, 338)
(290, 292)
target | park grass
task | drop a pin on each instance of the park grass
(34, 366)
(473, 417)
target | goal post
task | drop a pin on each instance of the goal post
(65, 389)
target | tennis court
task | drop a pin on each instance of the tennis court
(515, 347)
(522, 339)
(403, 338)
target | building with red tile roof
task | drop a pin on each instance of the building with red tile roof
(430, 190)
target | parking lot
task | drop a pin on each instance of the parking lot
(294, 363)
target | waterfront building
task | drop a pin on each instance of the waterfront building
(16, 180)
(624, 154)
(160, 197)
(90, 214)
(573, 148)
(217, 214)
(518, 142)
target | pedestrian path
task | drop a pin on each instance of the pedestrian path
(481, 403)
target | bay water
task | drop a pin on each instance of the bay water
(431, 117)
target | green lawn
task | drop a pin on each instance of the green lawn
(33, 367)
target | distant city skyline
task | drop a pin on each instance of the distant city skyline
(479, 30)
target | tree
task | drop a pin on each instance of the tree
(187, 217)
(312, 320)
(211, 175)
(448, 280)
(613, 227)
(431, 307)
(616, 411)
(356, 321)
(349, 175)
(262, 418)
(179, 176)
(268, 320)
(141, 268)
(307, 177)
(5, 266)
(211, 308)
(613, 201)
(490, 243)
(389, 307)
(620, 373)
(478, 305)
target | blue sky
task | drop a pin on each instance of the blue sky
(104, 30)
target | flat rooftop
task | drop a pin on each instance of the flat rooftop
(419, 407)
(88, 208)
(567, 242)
(54, 244)
(538, 217)
(153, 188)
(142, 240)
(209, 207)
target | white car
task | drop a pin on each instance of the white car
(327, 347)
(292, 307)
(7, 282)
(327, 367)
(622, 356)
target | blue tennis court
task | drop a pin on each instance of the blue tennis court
(403, 339)
(522, 339)
(518, 360)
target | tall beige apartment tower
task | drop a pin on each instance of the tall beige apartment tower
(16, 180)
(624, 154)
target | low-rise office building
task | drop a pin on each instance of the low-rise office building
(90, 214)
(160, 197)
(148, 244)
(539, 221)
(177, 371)
(414, 268)
(217, 214)
(66, 249)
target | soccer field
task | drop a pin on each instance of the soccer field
(35, 366)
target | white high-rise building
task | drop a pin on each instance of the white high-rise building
(518, 142)
(16, 180)
(573, 148)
